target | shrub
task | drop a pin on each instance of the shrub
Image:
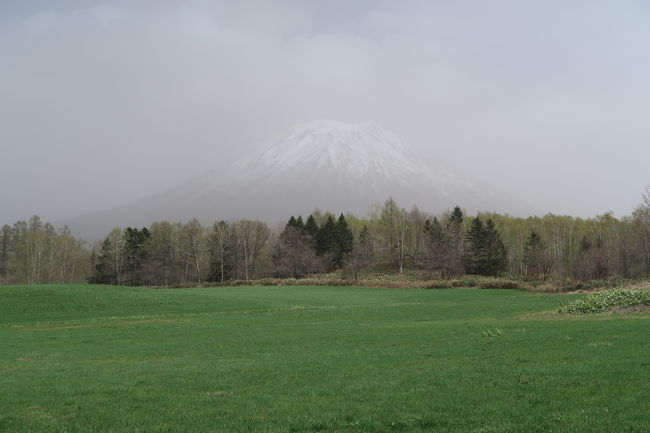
(605, 283)
(440, 284)
(492, 333)
(546, 288)
(500, 284)
(467, 282)
(603, 301)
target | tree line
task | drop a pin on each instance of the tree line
(175, 254)
(34, 252)
(390, 239)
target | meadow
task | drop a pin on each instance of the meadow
(316, 359)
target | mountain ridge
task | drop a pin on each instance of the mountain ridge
(331, 165)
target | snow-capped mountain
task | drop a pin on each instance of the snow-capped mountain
(331, 165)
(337, 154)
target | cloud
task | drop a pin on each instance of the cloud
(105, 102)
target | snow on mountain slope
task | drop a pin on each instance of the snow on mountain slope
(340, 152)
(333, 149)
(330, 155)
(331, 165)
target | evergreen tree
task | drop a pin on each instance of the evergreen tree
(456, 216)
(291, 223)
(534, 242)
(311, 227)
(164, 261)
(437, 244)
(495, 259)
(476, 253)
(535, 259)
(434, 230)
(294, 254)
(455, 245)
(344, 242)
(104, 272)
(486, 254)
(300, 225)
(136, 243)
(92, 263)
(326, 241)
(366, 250)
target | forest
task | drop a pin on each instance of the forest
(390, 240)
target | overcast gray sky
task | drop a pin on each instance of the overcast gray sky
(103, 102)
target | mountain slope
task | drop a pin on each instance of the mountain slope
(330, 165)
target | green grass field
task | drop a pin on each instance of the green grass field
(303, 359)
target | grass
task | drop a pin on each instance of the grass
(310, 359)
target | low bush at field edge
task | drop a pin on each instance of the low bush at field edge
(604, 301)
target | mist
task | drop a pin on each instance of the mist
(103, 103)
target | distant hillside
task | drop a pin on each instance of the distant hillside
(326, 164)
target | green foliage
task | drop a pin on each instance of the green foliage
(34, 252)
(334, 242)
(344, 242)
(476, 254)
(295, 223)
(486, 253)
(541, 250)
(536, 259)
(326, 238)
(365, 244)
(295, 254)
(534, 242)
(311, 228)
(492, 333)
(436, 232)
(496, 257)
(407, 280)
(104, 272)
(452, 252)
(603, 301)
(300, 225)
(456, 216)
(291, 223)
(503, 283)
(604, 283)
(136, 253)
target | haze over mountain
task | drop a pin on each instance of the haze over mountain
(330, 165)
(105, 102)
